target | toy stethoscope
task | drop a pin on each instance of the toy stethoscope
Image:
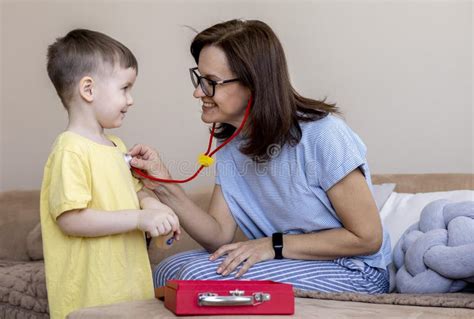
(204, 159)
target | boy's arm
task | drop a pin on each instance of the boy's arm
(148, 199)
(94, 223)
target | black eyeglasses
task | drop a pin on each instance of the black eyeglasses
(208, 86)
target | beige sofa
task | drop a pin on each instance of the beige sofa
(22, 286)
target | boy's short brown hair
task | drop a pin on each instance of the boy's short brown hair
(83, 52)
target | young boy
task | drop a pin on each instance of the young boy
(92, 224)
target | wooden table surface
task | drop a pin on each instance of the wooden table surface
(304, 308)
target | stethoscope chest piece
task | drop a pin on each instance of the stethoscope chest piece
(127, 158)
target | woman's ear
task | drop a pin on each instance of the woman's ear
(86, 88)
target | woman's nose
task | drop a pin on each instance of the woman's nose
(198, 93)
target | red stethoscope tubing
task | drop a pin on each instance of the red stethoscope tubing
(180, 181)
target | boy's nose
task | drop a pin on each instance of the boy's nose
(130, 101)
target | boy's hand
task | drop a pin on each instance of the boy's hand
(159, 221)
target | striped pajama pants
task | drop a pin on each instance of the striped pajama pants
(339, 275)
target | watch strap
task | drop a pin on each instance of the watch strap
(277, 242)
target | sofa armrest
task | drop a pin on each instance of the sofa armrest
(423, 183)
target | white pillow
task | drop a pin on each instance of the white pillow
(382, 192)
(403, 210)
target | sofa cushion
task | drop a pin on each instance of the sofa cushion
(34, 243)
(13, 240)
(19, 213)
(435, 255)
(403, 209)
(382, 193)
(22, 290)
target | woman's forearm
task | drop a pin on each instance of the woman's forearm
(95, 223)
(200, 225)
(329, 244)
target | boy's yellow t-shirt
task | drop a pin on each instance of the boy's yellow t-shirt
(84, 272)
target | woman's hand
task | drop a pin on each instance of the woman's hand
(246, 253)
(147, 159)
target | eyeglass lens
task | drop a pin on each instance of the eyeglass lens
(206, 86)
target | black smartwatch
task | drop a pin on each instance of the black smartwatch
(277, 241)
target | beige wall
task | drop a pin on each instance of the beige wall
(400, 70)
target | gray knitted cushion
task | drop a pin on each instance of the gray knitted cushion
(436, 254)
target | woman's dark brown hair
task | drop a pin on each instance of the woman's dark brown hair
(256, 57)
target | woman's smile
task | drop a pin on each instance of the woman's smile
(208, 106)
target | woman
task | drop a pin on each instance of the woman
(295, 180)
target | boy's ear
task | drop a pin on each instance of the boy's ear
(86, 88)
